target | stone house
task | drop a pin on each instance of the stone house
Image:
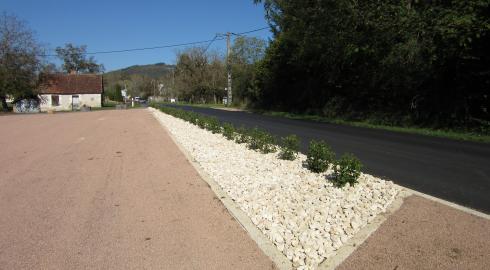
(66, 92)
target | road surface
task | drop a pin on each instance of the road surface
(452, 170)
(109, 190)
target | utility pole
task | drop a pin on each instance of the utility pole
(228, 67)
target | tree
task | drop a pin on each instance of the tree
(400, 62)
(114, 92)
(246, 53)
(199, 76)
(19, 60)
(140, 86)
(75, 59)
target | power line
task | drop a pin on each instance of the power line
(215, 37)
(165, 46)
(251, 31)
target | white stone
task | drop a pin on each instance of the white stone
(304, 215)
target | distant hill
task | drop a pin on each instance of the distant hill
(153, 71)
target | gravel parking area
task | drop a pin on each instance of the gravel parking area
(109, 190)
(424, 234)
(302, 213)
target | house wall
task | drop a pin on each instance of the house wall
(65, 101)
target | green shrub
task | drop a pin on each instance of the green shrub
(262, 141)
(289, 147)
(229, 131)
(242, 135)
(201, 121)
(346, 170)
(268, 143)
(213, 124)
(320, 155)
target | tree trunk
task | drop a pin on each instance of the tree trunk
(5, 107)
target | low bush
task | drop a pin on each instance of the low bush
(319, 156)
(201, 122)
(242, 135)
(262, 141)
(346, 170)
(229, 131)
(289, 147)
(213, 124)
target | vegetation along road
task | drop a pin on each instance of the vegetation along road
(456, 171)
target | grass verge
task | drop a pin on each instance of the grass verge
(442, 133)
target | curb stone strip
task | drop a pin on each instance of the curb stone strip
(450, 204)
(269, 249)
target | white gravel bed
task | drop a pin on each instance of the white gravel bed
(301, 212)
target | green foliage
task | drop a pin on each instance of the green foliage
(261, 140)
(75, 59)
(229, 131)
(19, 60)
(201, 122)
(213, 124)
(319, 156)
(289, 147)
(256, 139)
(246, 52)
(346, 170)
(114, 93)
(422, 63)
(243, 135)
(199, 76)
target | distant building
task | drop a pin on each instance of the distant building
(62, 92)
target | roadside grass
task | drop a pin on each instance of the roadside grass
(442, 133)
(203, 105)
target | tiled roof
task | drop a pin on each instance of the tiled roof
(72, 84)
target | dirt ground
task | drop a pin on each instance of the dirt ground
(109, 190)
(424, 234)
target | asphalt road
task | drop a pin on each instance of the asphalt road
(452, 170)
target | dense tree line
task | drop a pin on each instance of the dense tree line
(405, 62)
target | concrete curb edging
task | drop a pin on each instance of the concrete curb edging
(352, 244)
(269, 249)
(450, 204)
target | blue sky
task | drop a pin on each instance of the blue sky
(114, 25)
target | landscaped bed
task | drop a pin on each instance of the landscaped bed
(303, 213)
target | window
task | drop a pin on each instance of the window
(55, 100)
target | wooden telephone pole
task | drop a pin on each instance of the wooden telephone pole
(228, 68)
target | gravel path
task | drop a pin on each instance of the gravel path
(302, 213)
(109, 190)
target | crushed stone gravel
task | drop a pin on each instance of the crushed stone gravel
(302, 213)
